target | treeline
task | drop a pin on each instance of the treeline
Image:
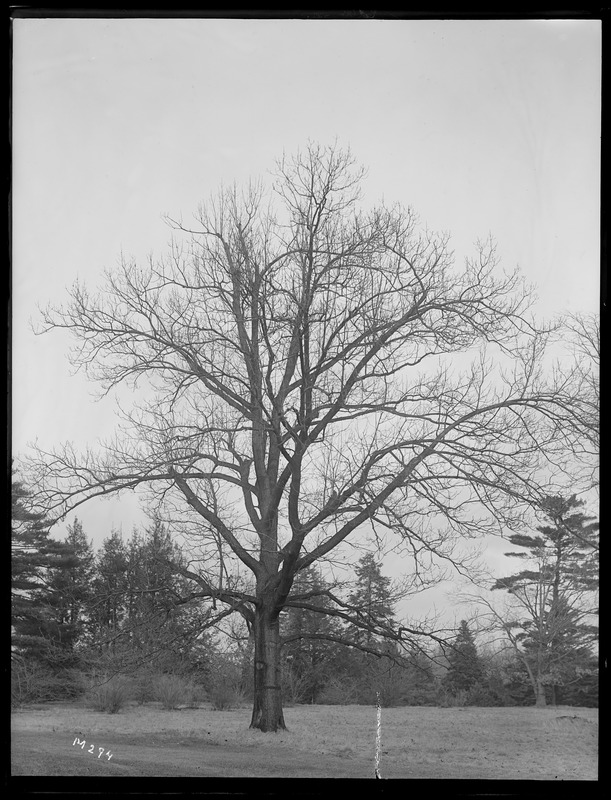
(77, 613)
(124, 623)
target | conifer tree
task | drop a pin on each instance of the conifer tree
(556, 596)
(307, 636)
(371, 597)
(70, 588)
(111, 588)
(465, 668)
(33, 556)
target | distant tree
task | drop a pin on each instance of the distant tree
(375, 664)
(371, 599)
(43, 633)
(303, 363)
(111, 586)
(555, 599)
(70, 588)
(34, 555)
(145, 614)
(164, 623)
(308, 637)
(418, 686)
(465, 668)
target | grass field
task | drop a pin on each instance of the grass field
(322, 742)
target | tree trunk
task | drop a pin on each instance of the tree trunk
(540, 694)
(267, 712)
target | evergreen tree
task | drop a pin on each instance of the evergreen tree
(111, 589)
(465, 669)
(143, 614)
(33, 556)
(307, 653)
(372, 598)
(158, 624)
(70, 589)
(555, 634)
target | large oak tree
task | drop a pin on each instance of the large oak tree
(312, 371)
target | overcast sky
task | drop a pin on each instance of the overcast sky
(481, 126)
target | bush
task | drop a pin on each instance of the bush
(170, 691)
(478, 695)
(194, 694)
(295, 688)
(457, 699)
(419, 696)
(32, 682)
(481, 695)
(224, 684)
(109, 694)
(174, 691)
(224, 695)
(143, 688)
(338, 692)
(389, 694)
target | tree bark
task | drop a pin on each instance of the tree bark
(267, 714)
(540, 695)
(554, 700)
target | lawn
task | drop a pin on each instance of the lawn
(321, 742)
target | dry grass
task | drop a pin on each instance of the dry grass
(509, 743)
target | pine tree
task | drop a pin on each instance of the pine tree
(372, 597)
(464, 666)
(555, 635)
(34, 555)
(373, 675)
(157, 626)
(111, 588)
(70, 589)
(307, 654)
(139, 617)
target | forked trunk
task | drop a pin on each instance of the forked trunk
(267, 712)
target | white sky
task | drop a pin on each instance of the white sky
(481, 126)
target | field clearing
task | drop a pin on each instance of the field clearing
(322, 741)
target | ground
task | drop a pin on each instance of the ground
(321, 742)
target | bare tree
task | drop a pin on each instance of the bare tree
(315, 371)
(583, 338)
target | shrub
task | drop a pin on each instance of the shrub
(481, 695)
(109, 694)
(338, 692)
(170, 690)
(389, 694)
(32, 682)
(224, 684)
(478, 695)
(419, 696)
(194, 694)
(143, 688)
(295, 688)
(447, 699)
(174, 691)
(224, 695)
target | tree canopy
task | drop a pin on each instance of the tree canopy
(310, 372)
